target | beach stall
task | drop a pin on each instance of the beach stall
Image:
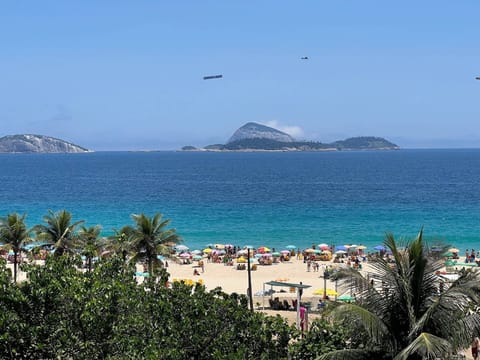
(298, 287)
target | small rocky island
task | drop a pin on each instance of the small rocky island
(28, 143)
(257, 137)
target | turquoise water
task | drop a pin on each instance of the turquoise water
(273, 199)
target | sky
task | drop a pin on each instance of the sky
(128, 75)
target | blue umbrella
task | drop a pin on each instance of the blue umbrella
(341, 247)
(380, 248)
(290, 247)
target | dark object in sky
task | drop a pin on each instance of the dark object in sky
(304, 58)
(477, 78)
(212, 77)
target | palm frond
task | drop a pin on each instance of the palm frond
(428, 346)
(347, 354)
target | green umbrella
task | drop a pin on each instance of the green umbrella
(447, 254)
(346, 297)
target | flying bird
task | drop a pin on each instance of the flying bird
(212, 77)
(304, 58)
(477, 78)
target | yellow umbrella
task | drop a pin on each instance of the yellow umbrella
(453, 250)
(241, 259)
(207, 250)
(361, 247)
(330, 292)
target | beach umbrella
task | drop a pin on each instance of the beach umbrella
(263, 249)
(341, 247)
(218, 252)
(241, 260)
(330, 292)
(346, 297)
(196, 252)
(181, 248)
(361, 247)
(309, 251)
(291, 247)
(380, 248)
(185, 255)
(242, 252)
(266, 255)
(285, 252)
(197, 258)
(323, 246)
(276, 254)
(258, 255)
(207, 250)
(453, 250)
(219, 246)
(340, 252)
(353, 246)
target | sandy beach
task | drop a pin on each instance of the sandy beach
(232, 280)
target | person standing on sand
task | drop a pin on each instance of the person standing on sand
(475, 345)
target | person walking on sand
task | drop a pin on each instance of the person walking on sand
(475, 346)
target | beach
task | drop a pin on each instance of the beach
(232, 280)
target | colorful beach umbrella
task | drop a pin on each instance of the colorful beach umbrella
(330, 292)
(323, 246)
(263, 249)
(453, 250)
(291, 247)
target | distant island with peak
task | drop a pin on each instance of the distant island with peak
(257, 137)
(29, 143)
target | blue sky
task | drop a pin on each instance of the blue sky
(127, 75)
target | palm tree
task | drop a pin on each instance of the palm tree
(58, 230)
(15, 234)
(408, 314)
(150, 238)
(88, 241)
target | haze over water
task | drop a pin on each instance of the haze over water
(273, 199)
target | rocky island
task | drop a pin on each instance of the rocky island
(28, 143)
(257, 137)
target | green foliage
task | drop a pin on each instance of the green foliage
(322, 337)
(61, 312)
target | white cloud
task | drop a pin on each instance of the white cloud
(294, 131)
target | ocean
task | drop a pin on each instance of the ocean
(258, 198)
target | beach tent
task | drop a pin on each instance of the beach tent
(289, 285)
